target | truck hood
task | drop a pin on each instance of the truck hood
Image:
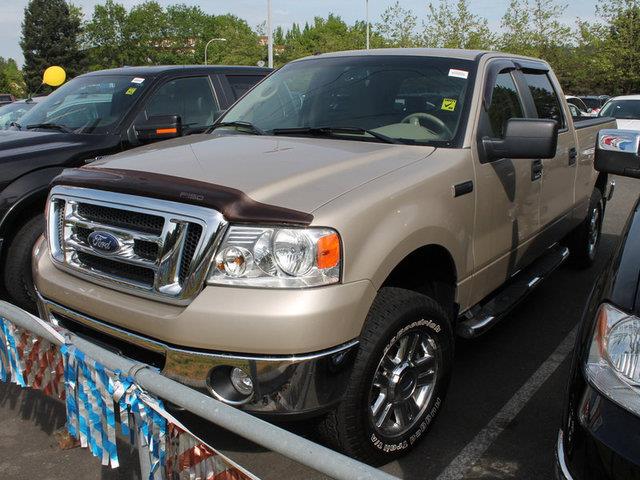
(14, 142)
(296, 173)
(24, 151)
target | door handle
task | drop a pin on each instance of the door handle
(573, 156)
(536, 170)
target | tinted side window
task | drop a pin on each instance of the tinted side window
(545, 97)
(505, 104)
(241, 84)
(190, 98)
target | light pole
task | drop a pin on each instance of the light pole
(207, 47)
(269, 35)
(367, 10)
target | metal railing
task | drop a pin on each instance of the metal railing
(272, 437)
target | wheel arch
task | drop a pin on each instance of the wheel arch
(429, 269)
(25, 197)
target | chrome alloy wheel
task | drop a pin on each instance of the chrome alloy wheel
(403, 383)
(594, 232)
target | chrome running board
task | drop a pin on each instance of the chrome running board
(478, 320)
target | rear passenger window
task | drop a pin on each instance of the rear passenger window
(505, 104)
(241, 84)
(545, 97)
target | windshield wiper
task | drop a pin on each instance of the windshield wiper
(330, 131)
(248, 125)
(50, 126)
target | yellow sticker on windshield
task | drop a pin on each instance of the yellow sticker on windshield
(130, 91)
(449, 104)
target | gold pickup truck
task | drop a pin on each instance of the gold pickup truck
(317, 252)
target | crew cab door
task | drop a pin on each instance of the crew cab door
(558, 173)
(508, 190)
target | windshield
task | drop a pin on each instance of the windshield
(405, 98)
(12, 113)
(623, 109)
(93, 104)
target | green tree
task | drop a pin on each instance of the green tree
(398, 26)
(329, 34)
(150, 35)
(455, 26)
(241, 46)
(50, 36)
(620, 45)
(532, 27)
(104, 36)
(11, 80)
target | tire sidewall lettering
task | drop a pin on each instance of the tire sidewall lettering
(415, 435)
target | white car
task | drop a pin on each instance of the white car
(625, 109)
(582, 107)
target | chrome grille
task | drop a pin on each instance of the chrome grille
(156, 248)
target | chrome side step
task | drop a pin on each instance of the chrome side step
(478, 320)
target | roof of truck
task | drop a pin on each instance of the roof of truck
(162, 69)
(456, 53)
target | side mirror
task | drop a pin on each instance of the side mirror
(162, 127)
(617, 152)
(524, 138)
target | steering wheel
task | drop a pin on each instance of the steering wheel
(440, 127)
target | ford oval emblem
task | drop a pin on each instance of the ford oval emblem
(103, 242)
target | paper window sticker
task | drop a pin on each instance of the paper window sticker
(458, 73)
(131, 91)
(138, 80)
(449, 104)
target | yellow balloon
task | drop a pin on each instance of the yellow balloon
(54, 76)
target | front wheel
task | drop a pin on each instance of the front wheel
(399, 379)
(18, 279)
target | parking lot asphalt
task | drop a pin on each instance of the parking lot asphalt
(500, 419)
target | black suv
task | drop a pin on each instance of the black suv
(97, 114)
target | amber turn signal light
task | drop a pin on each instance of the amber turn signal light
(328, 251)
(166, 131)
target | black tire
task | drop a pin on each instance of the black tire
(18, 280)
(395, 313)
(584, 240)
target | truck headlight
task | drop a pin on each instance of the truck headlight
(613, 365)
(277, 257)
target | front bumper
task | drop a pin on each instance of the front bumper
(300, 385)
(562, 470)
(599, 439)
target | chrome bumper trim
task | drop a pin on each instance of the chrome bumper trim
(562, 471)
(294, 384)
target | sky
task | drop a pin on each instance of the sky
(285, 12)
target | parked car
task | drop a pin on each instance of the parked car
(12, 112)
(6, 98)
(93, 115)
(586, 111)
(576, 113)
(317, 254)
(595, 102)
(626, 110)
(600, 433)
